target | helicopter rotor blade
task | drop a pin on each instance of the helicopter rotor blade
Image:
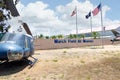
(11, 6)
(26, 28)
(14, 12)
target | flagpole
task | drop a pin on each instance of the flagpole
(91, 24)
(102, 25)
(76, 24)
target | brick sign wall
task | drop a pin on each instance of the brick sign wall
(68, 43)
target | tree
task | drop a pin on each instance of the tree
(82, 36)
(74, 36)
(47, 37)
(70, 36)
(41, 36)
(60, 36)
(53, 37)
(4, 16)
(95, 35)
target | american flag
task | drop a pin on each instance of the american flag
(96, 10)
(74, 12)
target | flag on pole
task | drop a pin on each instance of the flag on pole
(88, 15)
(96, 10)
(103, 28)
(74, 12)
(16, 2)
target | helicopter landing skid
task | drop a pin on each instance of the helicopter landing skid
(32, 62)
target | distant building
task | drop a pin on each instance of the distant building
(106, 34)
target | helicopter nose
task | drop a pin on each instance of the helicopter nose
(10, 52)
(3, 52)
(14, 55)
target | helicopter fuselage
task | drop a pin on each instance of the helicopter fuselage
(14, 46)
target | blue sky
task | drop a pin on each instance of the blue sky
(51, 17)
(113, 14)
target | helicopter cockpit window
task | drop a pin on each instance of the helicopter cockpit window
(1, 35)
(12, 38)
(8, 37)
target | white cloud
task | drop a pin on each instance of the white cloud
(43, 20)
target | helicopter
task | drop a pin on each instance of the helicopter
(116, 33)
(15, 46)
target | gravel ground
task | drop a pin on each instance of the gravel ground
(88, 63)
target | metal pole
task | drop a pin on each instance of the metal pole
(91, 24)
(76, 24)
(102, 24)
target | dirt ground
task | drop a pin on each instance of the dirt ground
(88, 63)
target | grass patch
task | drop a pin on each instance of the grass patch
(105, 53)
(117, 55)
(44, 76)
(88, 78)
(46, 60)
(55, 60)
(82, 61)
(61, 76)
(94, 58)
(28, 79)
(64, 51)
